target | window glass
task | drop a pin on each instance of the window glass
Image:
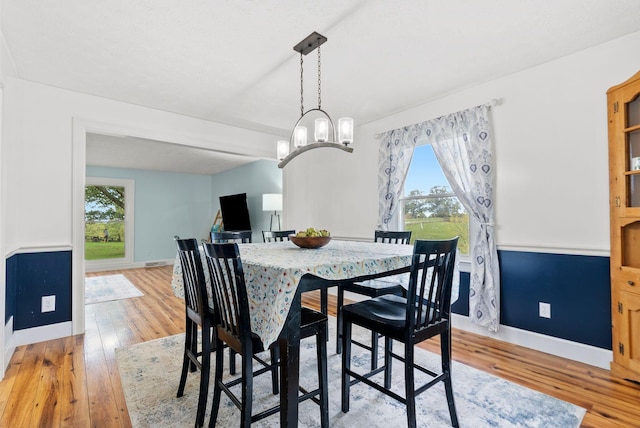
(431, 209)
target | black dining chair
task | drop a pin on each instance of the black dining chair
(425, 312)
(277, 235)
(243, 236)
(197, 315)
(233, 327)
(372, 288)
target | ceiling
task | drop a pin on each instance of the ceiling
(231, 61)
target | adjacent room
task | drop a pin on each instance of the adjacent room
(415, 213)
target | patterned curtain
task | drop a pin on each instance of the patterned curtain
(462, 143)
(394, 158)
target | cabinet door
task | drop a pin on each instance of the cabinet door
(624, 150)
(628, 346)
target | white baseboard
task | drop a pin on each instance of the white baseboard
(41, 334)
(135, 265)
(551, 345)
(9, 345)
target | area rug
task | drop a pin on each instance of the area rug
(150, 373)
(108, 287)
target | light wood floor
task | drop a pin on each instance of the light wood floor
(75, 382)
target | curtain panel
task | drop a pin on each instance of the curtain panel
(462, 144)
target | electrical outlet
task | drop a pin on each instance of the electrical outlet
(545, 310)
(48, 303)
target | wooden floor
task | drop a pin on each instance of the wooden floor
(75, 382)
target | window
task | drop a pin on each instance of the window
(108, 223)
(431, 210)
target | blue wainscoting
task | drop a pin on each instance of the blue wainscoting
(31, 276)
(576, 286)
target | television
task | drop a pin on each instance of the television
(235, 214)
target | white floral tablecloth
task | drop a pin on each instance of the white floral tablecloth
(273, 271)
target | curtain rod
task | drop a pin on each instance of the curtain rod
(494, 102)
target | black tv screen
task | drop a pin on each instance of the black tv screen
(235, 214)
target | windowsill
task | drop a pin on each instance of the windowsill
(465, 264)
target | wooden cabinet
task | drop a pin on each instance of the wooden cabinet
(624, 199)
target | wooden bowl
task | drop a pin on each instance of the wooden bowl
(310, 241)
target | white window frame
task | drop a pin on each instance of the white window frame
(129, 200)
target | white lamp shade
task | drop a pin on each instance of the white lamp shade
(300, 136)
(345, 130)
(282, 149)
(321, 132)
(272, 202)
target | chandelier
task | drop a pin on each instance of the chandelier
(325, 133)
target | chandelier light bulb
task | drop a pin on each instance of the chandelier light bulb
(321, 133)
(282, 149)
(345, 130)
(300, 136)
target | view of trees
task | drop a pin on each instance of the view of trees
(104, 222)
(438, 203)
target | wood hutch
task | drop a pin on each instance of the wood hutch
(624, 200)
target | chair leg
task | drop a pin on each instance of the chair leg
(445, 349)
(232, 361)
(216, 384)
(324, 307)
(186, 361)
(275, 363)
(374, 350)
(204, 374)
(339, 304)
(346, 365)
(194, 345)
(409, 385)
(388, 342)
(247, 390)
(321, 347)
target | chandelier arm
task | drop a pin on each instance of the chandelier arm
(311, 146)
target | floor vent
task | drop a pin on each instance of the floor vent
(154, 264)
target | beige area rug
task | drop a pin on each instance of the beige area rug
(150, 374)
(108, 287)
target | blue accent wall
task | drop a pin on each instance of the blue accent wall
(576, 286)
(166, 204)
(31, 276)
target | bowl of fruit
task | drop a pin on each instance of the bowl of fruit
(311, 238)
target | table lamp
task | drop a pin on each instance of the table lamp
(272, 202)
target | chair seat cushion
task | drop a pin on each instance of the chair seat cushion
(389, 310)
(375, 288)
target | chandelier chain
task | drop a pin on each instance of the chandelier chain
(319, 82)
(301, 86)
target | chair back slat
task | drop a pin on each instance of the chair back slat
(195, 290)
(392, 237)
(277, 235)
(241, 237)
(230, 300)
(430, 282)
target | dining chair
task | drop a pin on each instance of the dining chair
(233, 327)
(372, 288)
(425, 312)
(277, 235)
(243, 237)
(197, 315)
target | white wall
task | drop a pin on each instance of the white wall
(45, 167)
(550, 138)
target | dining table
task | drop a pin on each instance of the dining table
(276, 275)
